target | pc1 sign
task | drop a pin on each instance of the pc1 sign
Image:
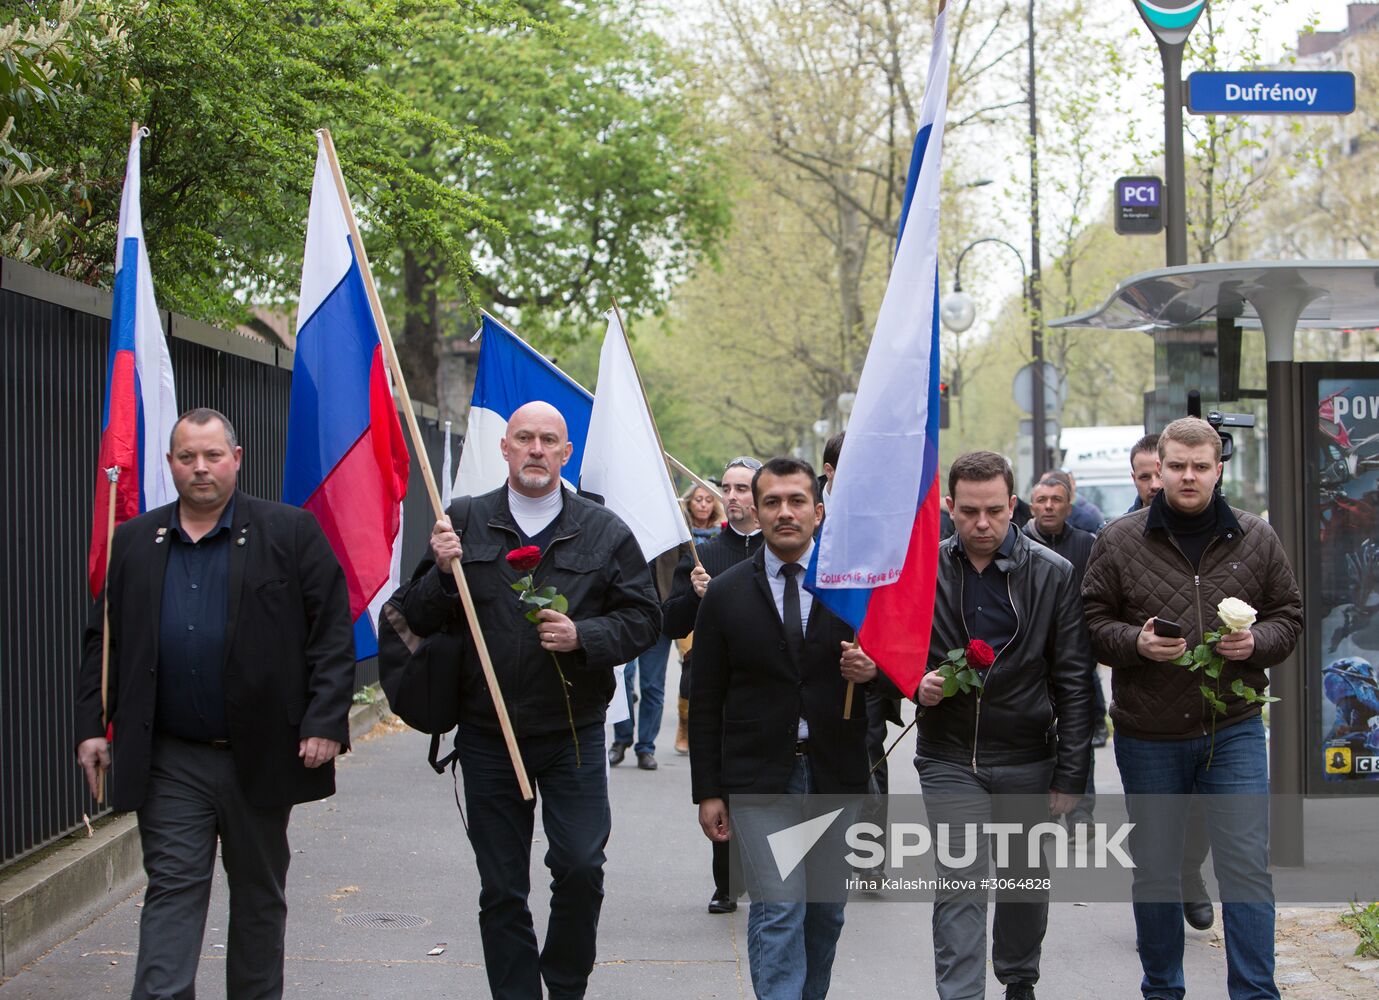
(1139, 206)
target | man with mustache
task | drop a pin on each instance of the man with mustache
(770, 680)
(556, 676)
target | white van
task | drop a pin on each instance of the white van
(1099, 459)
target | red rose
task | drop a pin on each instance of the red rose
(980, 655)
(525, 559)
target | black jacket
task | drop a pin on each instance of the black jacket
(747, 695)
(1073, 544)
(1039, 677)
(289, 652)
(594, 561)
(718, 555)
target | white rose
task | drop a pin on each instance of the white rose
(1235, 614)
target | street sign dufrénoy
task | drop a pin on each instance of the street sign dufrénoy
(1271, 93)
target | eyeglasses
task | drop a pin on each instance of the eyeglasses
(746, 461)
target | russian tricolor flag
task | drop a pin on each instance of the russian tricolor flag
(511, 373)
(347, 460)
(877, 559)
(140, 397)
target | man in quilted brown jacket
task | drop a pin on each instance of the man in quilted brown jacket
(1175, 561)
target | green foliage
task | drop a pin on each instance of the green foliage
(45, 65)
(231, 91)
(1364, 921)
(602, 178)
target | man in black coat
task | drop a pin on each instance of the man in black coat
(739, 540)
(771, 671)
(556, 676)
(231, 670)
(981, 750)
(1052, 527)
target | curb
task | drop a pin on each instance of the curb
(48, 902)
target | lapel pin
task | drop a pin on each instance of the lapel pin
(241, 540)
(159, 539)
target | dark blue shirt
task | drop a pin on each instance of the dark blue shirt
(191, 632)
(986, 606)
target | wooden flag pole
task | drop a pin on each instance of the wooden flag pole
(113, 474)
(466, 599)
(670, 469)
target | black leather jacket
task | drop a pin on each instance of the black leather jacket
(1038, 678)
(594, 561)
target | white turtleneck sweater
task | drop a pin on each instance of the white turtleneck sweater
(534, 514)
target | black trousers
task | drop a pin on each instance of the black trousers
(577, 822)
(193, 799)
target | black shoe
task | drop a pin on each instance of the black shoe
(723, 902)
(1020, 991)
(1099, 736)
(1197, 908)
(1199, 914)
(646, 762)
(616, 752)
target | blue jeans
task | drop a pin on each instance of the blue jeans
(790, 946)
(652, 666)
(1154, 770)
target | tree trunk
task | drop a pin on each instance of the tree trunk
(418, 349)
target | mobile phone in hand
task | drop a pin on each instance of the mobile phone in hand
(1166, 629)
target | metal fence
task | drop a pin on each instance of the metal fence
(55, 334)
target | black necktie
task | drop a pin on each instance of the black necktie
(794, 630)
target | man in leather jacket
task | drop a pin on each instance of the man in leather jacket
(556, 675)
(979, 751)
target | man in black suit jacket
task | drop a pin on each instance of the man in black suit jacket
(231, 670)
(739, 540)
(766, 717)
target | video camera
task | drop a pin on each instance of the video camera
(1217, 419)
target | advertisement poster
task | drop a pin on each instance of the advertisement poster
(1345, 580)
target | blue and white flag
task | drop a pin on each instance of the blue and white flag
(511, 374)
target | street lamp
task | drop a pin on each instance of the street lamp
(845, 401)
(958, 312)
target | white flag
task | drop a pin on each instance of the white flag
(622, 456)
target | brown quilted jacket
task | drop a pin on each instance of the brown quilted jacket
(1137, 571)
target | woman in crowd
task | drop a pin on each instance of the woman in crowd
(704, 512)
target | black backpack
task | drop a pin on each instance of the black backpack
(421, 676)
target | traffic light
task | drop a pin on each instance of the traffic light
(943, 405)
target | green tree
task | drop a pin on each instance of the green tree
(232, 91)
(602, 177)
(44, 65)
(820, 109)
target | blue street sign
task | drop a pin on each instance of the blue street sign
(1139, 205)
(1271, 93)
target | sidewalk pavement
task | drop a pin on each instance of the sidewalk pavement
(390, 844)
